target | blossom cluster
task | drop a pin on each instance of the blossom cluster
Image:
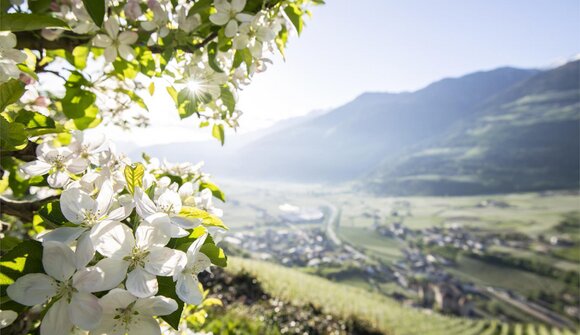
(212, 49)
(122, 221)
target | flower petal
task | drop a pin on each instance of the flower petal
(154, 306)
(147, 236)
(105, 198)
(84, 310)
(110, 54)
(58, 179)
(145, 326)
(128, 37)
(112, 27)
(114, 270)
(141, 283)
(102, 41)
(32, 289)
(117, 298)
(169, 201)
(56, 321)
(126, 52)
(64, 235)
(145, 207)
(188, 290)
(58, 260)
(219, 18)
(88, 280)
(77, 165)
(85, 251)
(238, 5)
(116, 241)
(36, 168)
(242, 17)
(6, 318)
(231, 28)
(163, 261)
(74, 202)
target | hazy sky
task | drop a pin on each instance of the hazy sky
(350, 47)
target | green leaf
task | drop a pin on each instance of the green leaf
(25, 22)
(96, 9)
(295, 15)
(172, 93)
(218, 132)
(167, 289)
(214, 253)
(76, 103)
(228, 99)
(214, 190)
(200, 6)
(206, 218)
(187, 103)
(211, 57)
(34, 120)
(151, 88)
(39, 6)
(12, 135)
(127, 69)
(51, 212)
(244, 56)
(281, 40)
(23, 259)
(79, 57)
(10, 92)
(134, 176)
(89, 120)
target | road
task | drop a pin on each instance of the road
(332, 223)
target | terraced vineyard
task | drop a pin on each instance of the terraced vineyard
(379, 312)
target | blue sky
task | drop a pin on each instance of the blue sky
(353, 46)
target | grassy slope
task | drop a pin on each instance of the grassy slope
(381, 312)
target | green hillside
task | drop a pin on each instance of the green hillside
(524, 139)
(380, 312)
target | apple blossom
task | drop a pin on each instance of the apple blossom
(9, 56)
(73, 303)
(144, 256)
(57, 162)
(187, 287)
(116, 43)
(229, 14)
(124, 312)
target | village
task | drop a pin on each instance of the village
(303, 238)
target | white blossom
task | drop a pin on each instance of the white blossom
(7, 317)
(58, 162)
(124, 313)
(187, 284)
(143, 256)
(9, 57)
(229, 14)
(116, 43)
(73, 304)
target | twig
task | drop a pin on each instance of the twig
(23, 209)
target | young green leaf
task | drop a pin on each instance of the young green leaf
(215, 190)
(134, 176)
(96, 9)
(218, 132)
(15, 22)
(206, 218)
(294, 13)
(10, 92)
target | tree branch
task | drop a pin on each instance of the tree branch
(28, 154)
(31, 40)
(23, 209)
